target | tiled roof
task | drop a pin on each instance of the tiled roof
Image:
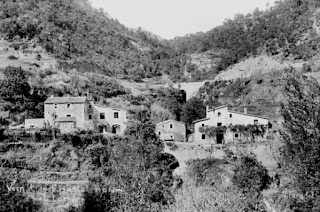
(103, 106)
(66, 119)
(199, 120)
(54, 100)
(170, 120)
(217, 108)
(35, 121)
(248, 114)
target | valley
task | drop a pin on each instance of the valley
(95, 116)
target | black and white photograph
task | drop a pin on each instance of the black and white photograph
(159, 106)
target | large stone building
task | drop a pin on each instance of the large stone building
(222, 116)
(78, 108)
(171, 130)
(71, 113)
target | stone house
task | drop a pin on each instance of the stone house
(71, 113)
(222, 116)
(77, 107)
(171, 130)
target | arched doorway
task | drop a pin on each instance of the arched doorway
(116, 129)
(103, 128)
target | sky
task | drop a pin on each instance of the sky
(171, 18)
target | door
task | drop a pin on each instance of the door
(220, 138)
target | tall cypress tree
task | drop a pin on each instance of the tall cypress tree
(301, 136)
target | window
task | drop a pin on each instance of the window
(255, 121)
(89, 106)
(116, 115)
(55, 105)
(219, 124)
(170, 125)
(32, 126)
(230, 115)
(203, 125)
(236, 135)
(159, 132)
(68, 115)
(102, 116)
(219, 114)
(90, 117)
(203, 136)
(68, 105)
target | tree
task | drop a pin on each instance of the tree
(15, 83)
(301, 134)
(192, 110)
(250, 175)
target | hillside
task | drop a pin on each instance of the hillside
(78, 35)
(288, 29)
(249, 58)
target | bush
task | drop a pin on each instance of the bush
(15, 201)
(250, 175)
(84, 138)
(213, 199)
(172, 146)
(206, 171)
(12, 57)
(16, 46)
(38, 57)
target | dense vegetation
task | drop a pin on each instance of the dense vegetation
(72, 29)
(274, 31)
(301, 156)
(15, 200)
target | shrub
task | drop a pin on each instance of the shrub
(214, 199)
(172, 146)
(15, 201)
(12, 57)
(38, 57)
(16, 46)
(206, 171)
(84, 138)
(25, 46)
(250, 175)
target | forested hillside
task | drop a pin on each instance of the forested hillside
(288, 29)
(72, 30)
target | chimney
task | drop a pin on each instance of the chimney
(245, 110)
(207, 108)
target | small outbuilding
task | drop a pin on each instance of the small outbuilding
(171, 130)
(34, 123)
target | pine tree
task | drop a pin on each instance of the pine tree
(301, 136)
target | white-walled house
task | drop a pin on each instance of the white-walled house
(171, 130)
(108, 119)
(222, 116)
